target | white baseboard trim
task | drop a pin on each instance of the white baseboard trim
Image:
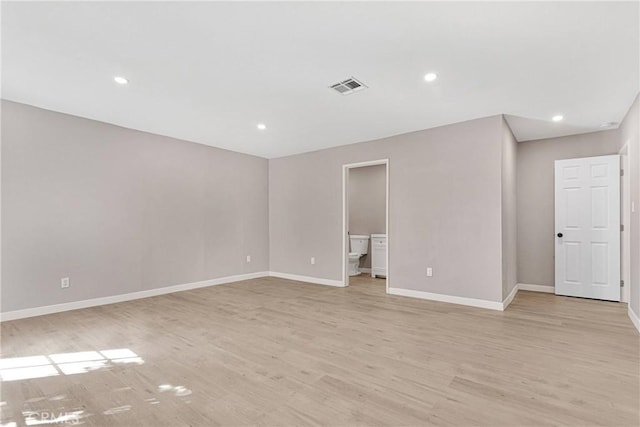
(75, 305)
(536, 288)
(308, 279)
(635, 319)
(510, 297)
(492, 305)
(365, 270)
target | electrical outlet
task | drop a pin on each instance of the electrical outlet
(313, 260)
(64, 282)
(248, 258)
(429, 272)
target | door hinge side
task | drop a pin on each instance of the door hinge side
(621, 172)
(621, 283)
(621, 227)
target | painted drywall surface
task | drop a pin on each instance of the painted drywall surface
(509, 215)
(444, 212)
(630, 135)
(367, 203)
(535, 198)
(120, 211)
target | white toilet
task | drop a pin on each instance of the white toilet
(359, 244)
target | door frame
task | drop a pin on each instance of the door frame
(625, 220)
(345, 217)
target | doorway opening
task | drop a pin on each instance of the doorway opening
(365, 220)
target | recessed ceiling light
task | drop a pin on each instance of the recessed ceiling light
(120, 80)
(557, 118)
(261, 126)
(430, 77)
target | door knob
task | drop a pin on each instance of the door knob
(560, 234)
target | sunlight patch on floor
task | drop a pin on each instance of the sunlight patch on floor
(29, 367)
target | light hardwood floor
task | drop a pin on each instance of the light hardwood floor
(276, 352)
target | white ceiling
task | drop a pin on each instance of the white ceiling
(209, 72)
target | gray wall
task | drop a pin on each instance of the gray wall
(367, 203)
(120, 211)
(445, 209)
(630, 134)
(535, 197)
(509, 215)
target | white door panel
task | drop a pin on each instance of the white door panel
(587, 242)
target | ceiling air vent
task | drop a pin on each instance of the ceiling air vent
(348, 86)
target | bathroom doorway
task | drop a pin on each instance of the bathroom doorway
(365, 221)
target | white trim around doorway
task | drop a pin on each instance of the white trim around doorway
(625, 220)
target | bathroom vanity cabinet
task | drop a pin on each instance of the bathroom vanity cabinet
(378, 255)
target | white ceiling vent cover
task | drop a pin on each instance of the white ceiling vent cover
(348, 86)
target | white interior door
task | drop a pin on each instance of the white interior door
(587, 241)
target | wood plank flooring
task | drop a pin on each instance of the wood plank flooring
(274, 352)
